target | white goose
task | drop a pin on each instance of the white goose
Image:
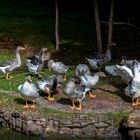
(128, 62)
(124, 72)
(11, 65)
(75, 91)
(133, 89)
(82, 69)
(35, 64)
(58, 67)
(131, 76)
(99, 60)
(49, 83)
(28, 90)
(90, 81)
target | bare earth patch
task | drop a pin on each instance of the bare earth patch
(107, 100)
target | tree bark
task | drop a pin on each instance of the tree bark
(110, 32)
(56, 25)
(98, 28)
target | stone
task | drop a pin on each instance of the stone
(133, 120)
(18, 122)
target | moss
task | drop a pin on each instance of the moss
(118, 117)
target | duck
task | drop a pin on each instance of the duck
(58, 67)
(50, 83)
(10, 65)
(75, 92)
(82, 69)
(35, 64)
(133, 89)
(99, 60)
(90, 81)
(28, 90)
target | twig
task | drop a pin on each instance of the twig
(120, 23)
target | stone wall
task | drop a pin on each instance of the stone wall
(130, 126)
(75, 125)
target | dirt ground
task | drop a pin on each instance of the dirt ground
(108, 99)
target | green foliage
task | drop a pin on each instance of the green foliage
(118, 117)
(27, 30)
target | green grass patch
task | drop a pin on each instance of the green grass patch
(19, 77)
(118, 117)
(9, 101)
(59, 112)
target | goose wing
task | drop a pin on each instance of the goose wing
(59, 67)
(9, 62)
(111, 70)
(124, 72)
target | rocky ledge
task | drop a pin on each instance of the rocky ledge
(77, 125)
(130, 126)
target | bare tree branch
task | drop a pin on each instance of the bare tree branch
(119, 23)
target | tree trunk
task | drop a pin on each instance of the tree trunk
(56, 25)
(98, 28)
(110, 32)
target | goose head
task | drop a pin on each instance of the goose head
(108, 51)
(50, 62)
(28, 78)
(20, 48)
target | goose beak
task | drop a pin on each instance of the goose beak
(44, 49)
(30, 79)
(122, 62)
(23, 49)
(114, 44)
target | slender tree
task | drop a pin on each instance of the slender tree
(56, 25)
(110, 32)
(98, 28)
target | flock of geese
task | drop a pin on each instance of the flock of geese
(82, 82)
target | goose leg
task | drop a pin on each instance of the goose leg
(135, 103)
(73, 105)
(8, 76)
(33, 105)
(50, 69)
(47, 90)
(50, 98)
(65, 77)
(26, 105)
(91, 95)
(39, 75)
(80, 105)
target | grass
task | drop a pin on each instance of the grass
(27, 30)
(8, 101)
(19, 78)
(118, 117)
